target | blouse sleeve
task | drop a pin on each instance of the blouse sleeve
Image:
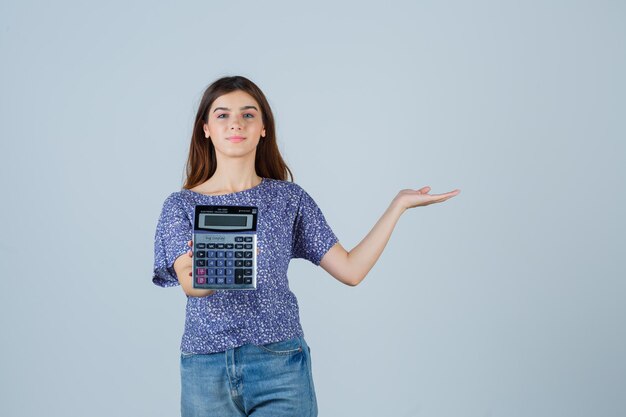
(312, 236)
(173, 231)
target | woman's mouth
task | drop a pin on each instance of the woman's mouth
(236, 139)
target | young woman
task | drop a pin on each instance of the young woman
(243, 353)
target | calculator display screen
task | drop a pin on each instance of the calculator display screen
(213, 221)
(229, 220)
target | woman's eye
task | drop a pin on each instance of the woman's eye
(245, 116)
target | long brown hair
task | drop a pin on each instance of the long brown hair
(201, 163)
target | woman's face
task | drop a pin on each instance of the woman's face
(235, 124)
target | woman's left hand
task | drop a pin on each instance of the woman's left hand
(415, 198)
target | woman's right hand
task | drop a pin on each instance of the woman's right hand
(190, 253)
(183, 265)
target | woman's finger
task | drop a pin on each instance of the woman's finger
(439, 198)
(448, 195)
(444, 197)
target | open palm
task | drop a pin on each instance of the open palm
(415, 198)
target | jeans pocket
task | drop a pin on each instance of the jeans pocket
(284, 347)
(185, 355)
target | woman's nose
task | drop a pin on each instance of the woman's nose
(235, 123)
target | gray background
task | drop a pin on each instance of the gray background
(507, 300)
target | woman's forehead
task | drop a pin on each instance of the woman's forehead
(235, 100)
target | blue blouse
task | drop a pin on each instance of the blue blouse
(289, 225)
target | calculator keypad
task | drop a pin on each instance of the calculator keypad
(227, 265)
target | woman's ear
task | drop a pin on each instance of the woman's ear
(205, 127)
(263, 133)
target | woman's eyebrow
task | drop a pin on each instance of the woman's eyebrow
(241, 108)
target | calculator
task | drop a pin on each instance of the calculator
(224, 247)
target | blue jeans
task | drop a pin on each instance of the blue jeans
(268, 380)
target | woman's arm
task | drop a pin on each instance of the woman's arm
(352, 267)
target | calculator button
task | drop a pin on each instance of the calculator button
(230, 271)
(238, 263)
(230, 280)
(200, 280)
(238, 273)
(211, 271)
(220, 271)
(248, 239)
(211, 262)
(200, 254)
(238, 239)
(238, 279)
(230, 262)
(248, 246)
(210, 245)
(210, 254)
(210, 280)
(201, 262)
(220, 246)
(229, 254)
(247, 280)
(228, 246)
(220, 280)
(200, 245)
(220, 263)
(247, 263)
(238, 254)
(239, 246)
(220, 254)
(247, 272)
(248, 254)
(200, 271)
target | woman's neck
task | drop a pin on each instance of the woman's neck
(223, 182)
